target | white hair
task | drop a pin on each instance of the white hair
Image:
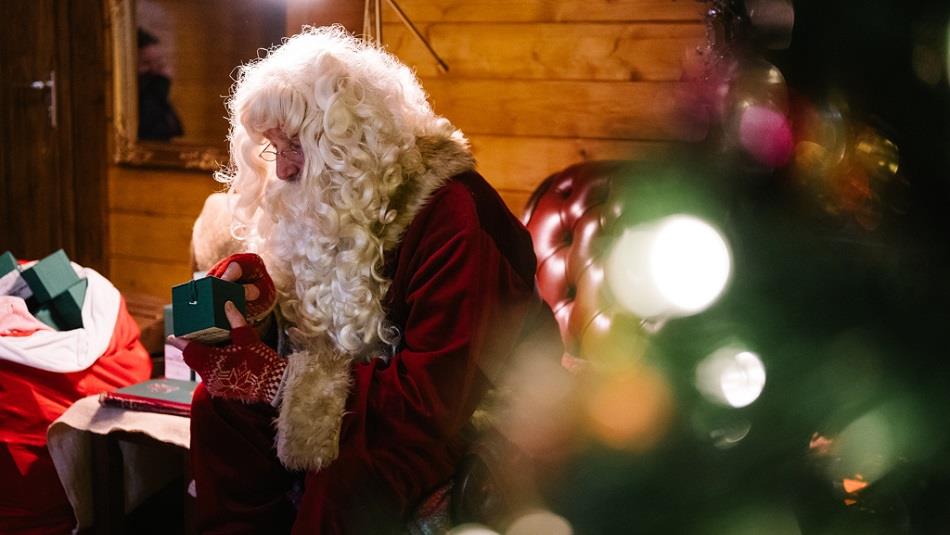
(357, 112)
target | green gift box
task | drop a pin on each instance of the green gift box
(64, 312)
(12, 284)
(50, 277)
(168, 324)
(7, 263)
(46, 315)
(68, 305)
(198, 308)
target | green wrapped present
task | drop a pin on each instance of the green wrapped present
(68, 305)
(167, 315)
(64, 312)
(50, 277)
(7, 263)
(11, 280)
(198, 308)
(45, 314)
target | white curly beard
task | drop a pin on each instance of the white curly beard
(322, 261)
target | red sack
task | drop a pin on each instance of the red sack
(32, 499)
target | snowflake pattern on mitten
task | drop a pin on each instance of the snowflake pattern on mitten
(253, 272)
(247, 369)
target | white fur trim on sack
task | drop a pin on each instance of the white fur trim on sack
(75, 350)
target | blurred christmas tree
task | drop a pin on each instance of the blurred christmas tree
(811, 397)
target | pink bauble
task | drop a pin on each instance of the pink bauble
(766, 135)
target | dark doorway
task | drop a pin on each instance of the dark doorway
(53, 129)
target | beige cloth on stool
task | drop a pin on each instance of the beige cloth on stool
(146, 468)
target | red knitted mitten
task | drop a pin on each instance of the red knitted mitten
(252, 272)
(247, 369)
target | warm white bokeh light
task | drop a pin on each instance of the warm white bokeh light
(471, 529)
(537, 522)
(731, 376)
(867, 446)
(691, 263)
(947, 51)
(731, 434)
(677, 266)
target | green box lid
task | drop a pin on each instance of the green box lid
(198, 308)
(165, 389)
(50, 276)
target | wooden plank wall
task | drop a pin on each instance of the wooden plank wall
(536, 85)
(151, 213)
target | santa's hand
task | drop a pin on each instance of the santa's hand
(247, 369)
(248, 269)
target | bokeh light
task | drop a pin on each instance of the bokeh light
(758, 81)
(471, 529)
(754, 520)
(927, 54)
(538, 522)
(676, 267)
(731, 434)
(613, 336)
(630, 409)
(766, 135)
(874, 443)
(540, 409)
(731, 376)
(821, 137)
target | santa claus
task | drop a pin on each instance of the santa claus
(387, 286)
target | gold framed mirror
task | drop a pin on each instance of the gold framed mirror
(172, 68)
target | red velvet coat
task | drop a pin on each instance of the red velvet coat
(462, 296)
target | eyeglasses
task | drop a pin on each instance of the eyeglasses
(270, 154)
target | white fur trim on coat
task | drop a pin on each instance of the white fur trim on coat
(319, 377)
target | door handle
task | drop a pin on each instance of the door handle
(50, 84)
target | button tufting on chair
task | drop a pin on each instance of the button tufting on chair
(571, 217)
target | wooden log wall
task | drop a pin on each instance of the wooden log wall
(536, 85)
(151, 213)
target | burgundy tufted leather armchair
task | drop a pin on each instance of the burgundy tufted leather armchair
(573, 217)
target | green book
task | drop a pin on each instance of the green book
(166, 396)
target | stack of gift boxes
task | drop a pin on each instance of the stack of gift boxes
(54, 294)
(52, 290)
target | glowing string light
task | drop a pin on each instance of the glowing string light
(675, 267)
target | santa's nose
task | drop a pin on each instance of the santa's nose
(287, 170)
